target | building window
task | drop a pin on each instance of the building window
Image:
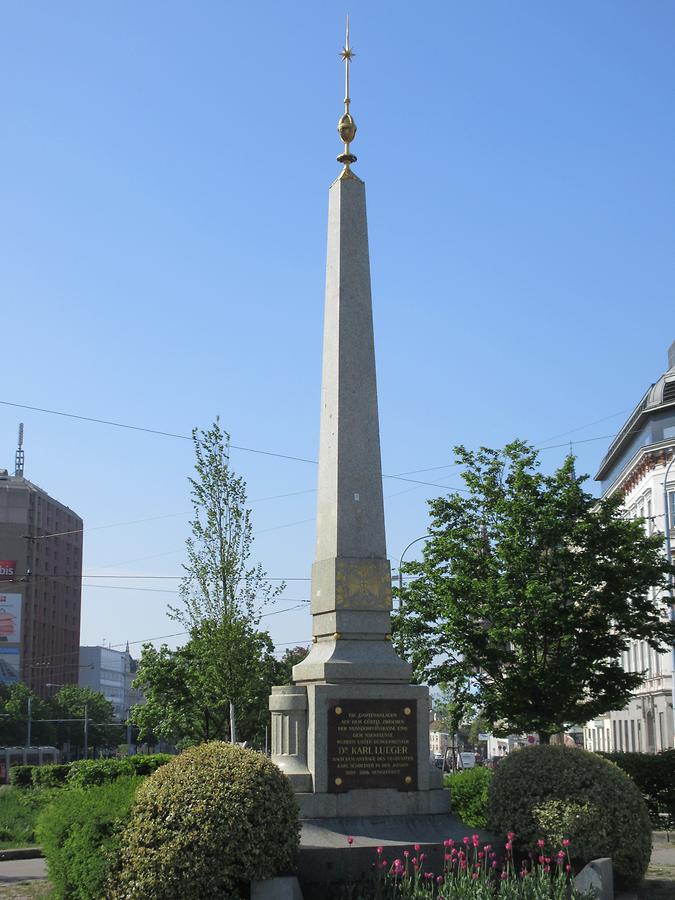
(671, 512)
(632, 735)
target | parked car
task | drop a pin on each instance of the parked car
(468, 759)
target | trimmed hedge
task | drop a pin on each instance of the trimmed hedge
(212, 819)
(469, 795)
(50, 776)
(80, 834)
(655, 777)
(21, 776)
(86, 772)
(89, 772)
(562, 792)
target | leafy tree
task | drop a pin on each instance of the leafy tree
(222, 591)
(49, 718)
(172, 710)
(184, 688)
(292, 656)
(14, 717)
(480, 725)
(71, 702)
(454, 705)
(532, 588)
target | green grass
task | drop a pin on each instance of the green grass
(25, 890)
(19, 809)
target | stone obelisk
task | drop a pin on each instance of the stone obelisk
(351, 732)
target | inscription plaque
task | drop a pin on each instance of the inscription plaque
(372, 744)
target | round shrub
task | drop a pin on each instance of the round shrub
(562, 792)
(213, 818)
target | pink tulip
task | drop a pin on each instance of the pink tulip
(350, 840)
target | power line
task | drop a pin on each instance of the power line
(56, 412)
(171, 434)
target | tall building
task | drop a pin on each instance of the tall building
(40, 584)
(111, 672)
(638, 465)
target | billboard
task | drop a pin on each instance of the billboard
(7, 569)
(9, 665)
(10, 618)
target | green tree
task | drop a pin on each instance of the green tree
(184, 689)
(227, 664)
(454, 705)
(291, 657)
(173, 710)
(73, 702)
(14, 717)
(532, 588)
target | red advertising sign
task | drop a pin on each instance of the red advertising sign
(7, 569)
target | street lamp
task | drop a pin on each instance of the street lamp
(669, 556)
(424, 537)
(28, 728)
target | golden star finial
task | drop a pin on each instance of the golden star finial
(347, 53)
(347, 125)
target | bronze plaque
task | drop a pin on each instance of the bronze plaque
(372, 744)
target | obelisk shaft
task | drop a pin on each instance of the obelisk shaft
(350, 511)
(351, 578)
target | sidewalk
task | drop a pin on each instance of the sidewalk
(14, 871)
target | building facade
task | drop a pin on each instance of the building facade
(111, 672)
(637, 465)
(40, 586)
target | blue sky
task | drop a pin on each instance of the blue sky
(162, 246)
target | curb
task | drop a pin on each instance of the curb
(21, 853)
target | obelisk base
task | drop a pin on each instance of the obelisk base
(365, 749)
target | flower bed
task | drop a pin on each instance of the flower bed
(473, 870)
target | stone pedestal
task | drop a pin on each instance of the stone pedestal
(288, 707)
(316, 749)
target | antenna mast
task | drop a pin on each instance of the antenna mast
(18, 458)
